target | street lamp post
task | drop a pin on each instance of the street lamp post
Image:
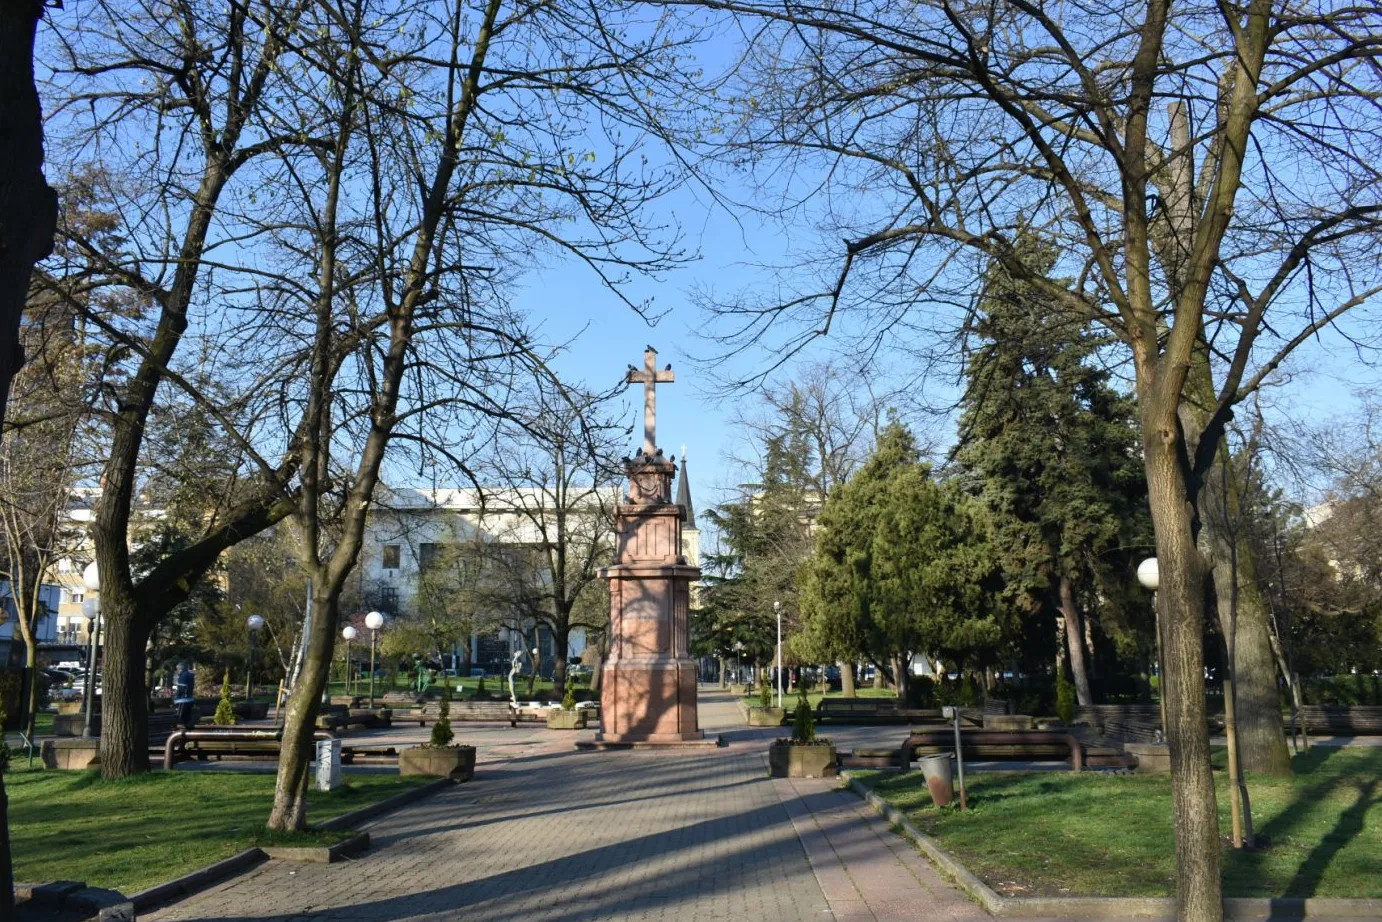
(1149, 575)
(777, 610)
(91, 579)
(349, 633)
(255, 623)
(374, 621)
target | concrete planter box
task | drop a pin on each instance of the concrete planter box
(738, 689)
(72, 754)
(455, 762)
(559, 719)
(70, 707)
(1007, 722)
(809, 760)
(766, 717)
(1152, 758)
(71, 724)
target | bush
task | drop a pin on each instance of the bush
(225, 709)
(568, 700)
(481, 693)
(765, 693)
(921, 692)
(1065, 697)
(803, 720)
(442, 734)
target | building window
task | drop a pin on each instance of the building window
(388, 599)
(391, 556)
(427, 556)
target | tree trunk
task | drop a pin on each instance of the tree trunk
(1261, 740)
(124, 697)
(28, 207)
(561, 650)
(847, 679)
(900, 676)
(6, 863)
(877, 676)
(1074, 638)
(1181, 597)
(289, 812)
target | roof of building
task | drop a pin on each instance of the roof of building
(684, 493)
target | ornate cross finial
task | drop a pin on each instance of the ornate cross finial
(650, 377)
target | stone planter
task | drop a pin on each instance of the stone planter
(766, 717)
(73, 754)
(560, 719)
(454, 762)
(738, 689)
(807, 760)
(1152, 758)
(1007, 722)
(70, 707)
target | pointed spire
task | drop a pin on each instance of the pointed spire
(684, 493)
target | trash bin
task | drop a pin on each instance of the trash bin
(939, 774)
(328, 764)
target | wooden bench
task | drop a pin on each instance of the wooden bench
(881, 710)
(468, 712)
(995, 744)
(1356, 720)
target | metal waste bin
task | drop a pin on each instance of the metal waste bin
(939, 774)
(328, 764)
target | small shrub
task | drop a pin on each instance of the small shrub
(803, 720)
(481, 693)
(765, 692)
(442, 734)
(568, 700)
(1065, 697)
(921, 692)
(225, 709)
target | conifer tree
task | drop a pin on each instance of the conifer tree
(1050, 448)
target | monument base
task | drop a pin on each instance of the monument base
(661, 741)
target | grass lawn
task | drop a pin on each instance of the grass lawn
(141, 831)
(1052, 834)
(789, 698)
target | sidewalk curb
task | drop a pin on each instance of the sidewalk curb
(1239, 909)
(196, 881)
(387, 805)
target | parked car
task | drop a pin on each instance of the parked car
(477, 672)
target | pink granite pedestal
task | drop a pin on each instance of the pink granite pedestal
(648, 686)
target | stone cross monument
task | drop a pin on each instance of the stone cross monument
(648, 687)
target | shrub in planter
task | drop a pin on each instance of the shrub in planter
(439, 756)
(225, 708)
(804, 755)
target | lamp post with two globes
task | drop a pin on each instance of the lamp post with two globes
(91, 608)
(374, 621)
(349, 633)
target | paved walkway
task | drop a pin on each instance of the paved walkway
(559, 834)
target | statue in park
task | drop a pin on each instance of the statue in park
(424, 677)
(513, 671)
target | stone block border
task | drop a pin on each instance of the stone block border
(319, 854)
(1238, 909)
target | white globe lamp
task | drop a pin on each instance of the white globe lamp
(91, 577)
(374, 621)
(1149, 574)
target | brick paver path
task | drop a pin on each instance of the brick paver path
(611, 835)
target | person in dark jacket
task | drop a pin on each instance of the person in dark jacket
(184, 696)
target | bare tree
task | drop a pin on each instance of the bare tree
(1209, 170)
(555, 477)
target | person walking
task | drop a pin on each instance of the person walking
(184, 696)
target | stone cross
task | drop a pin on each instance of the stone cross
(650, 378)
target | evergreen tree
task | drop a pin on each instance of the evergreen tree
(1050, 448)
(902, 566)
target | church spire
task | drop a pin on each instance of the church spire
(684, 493)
